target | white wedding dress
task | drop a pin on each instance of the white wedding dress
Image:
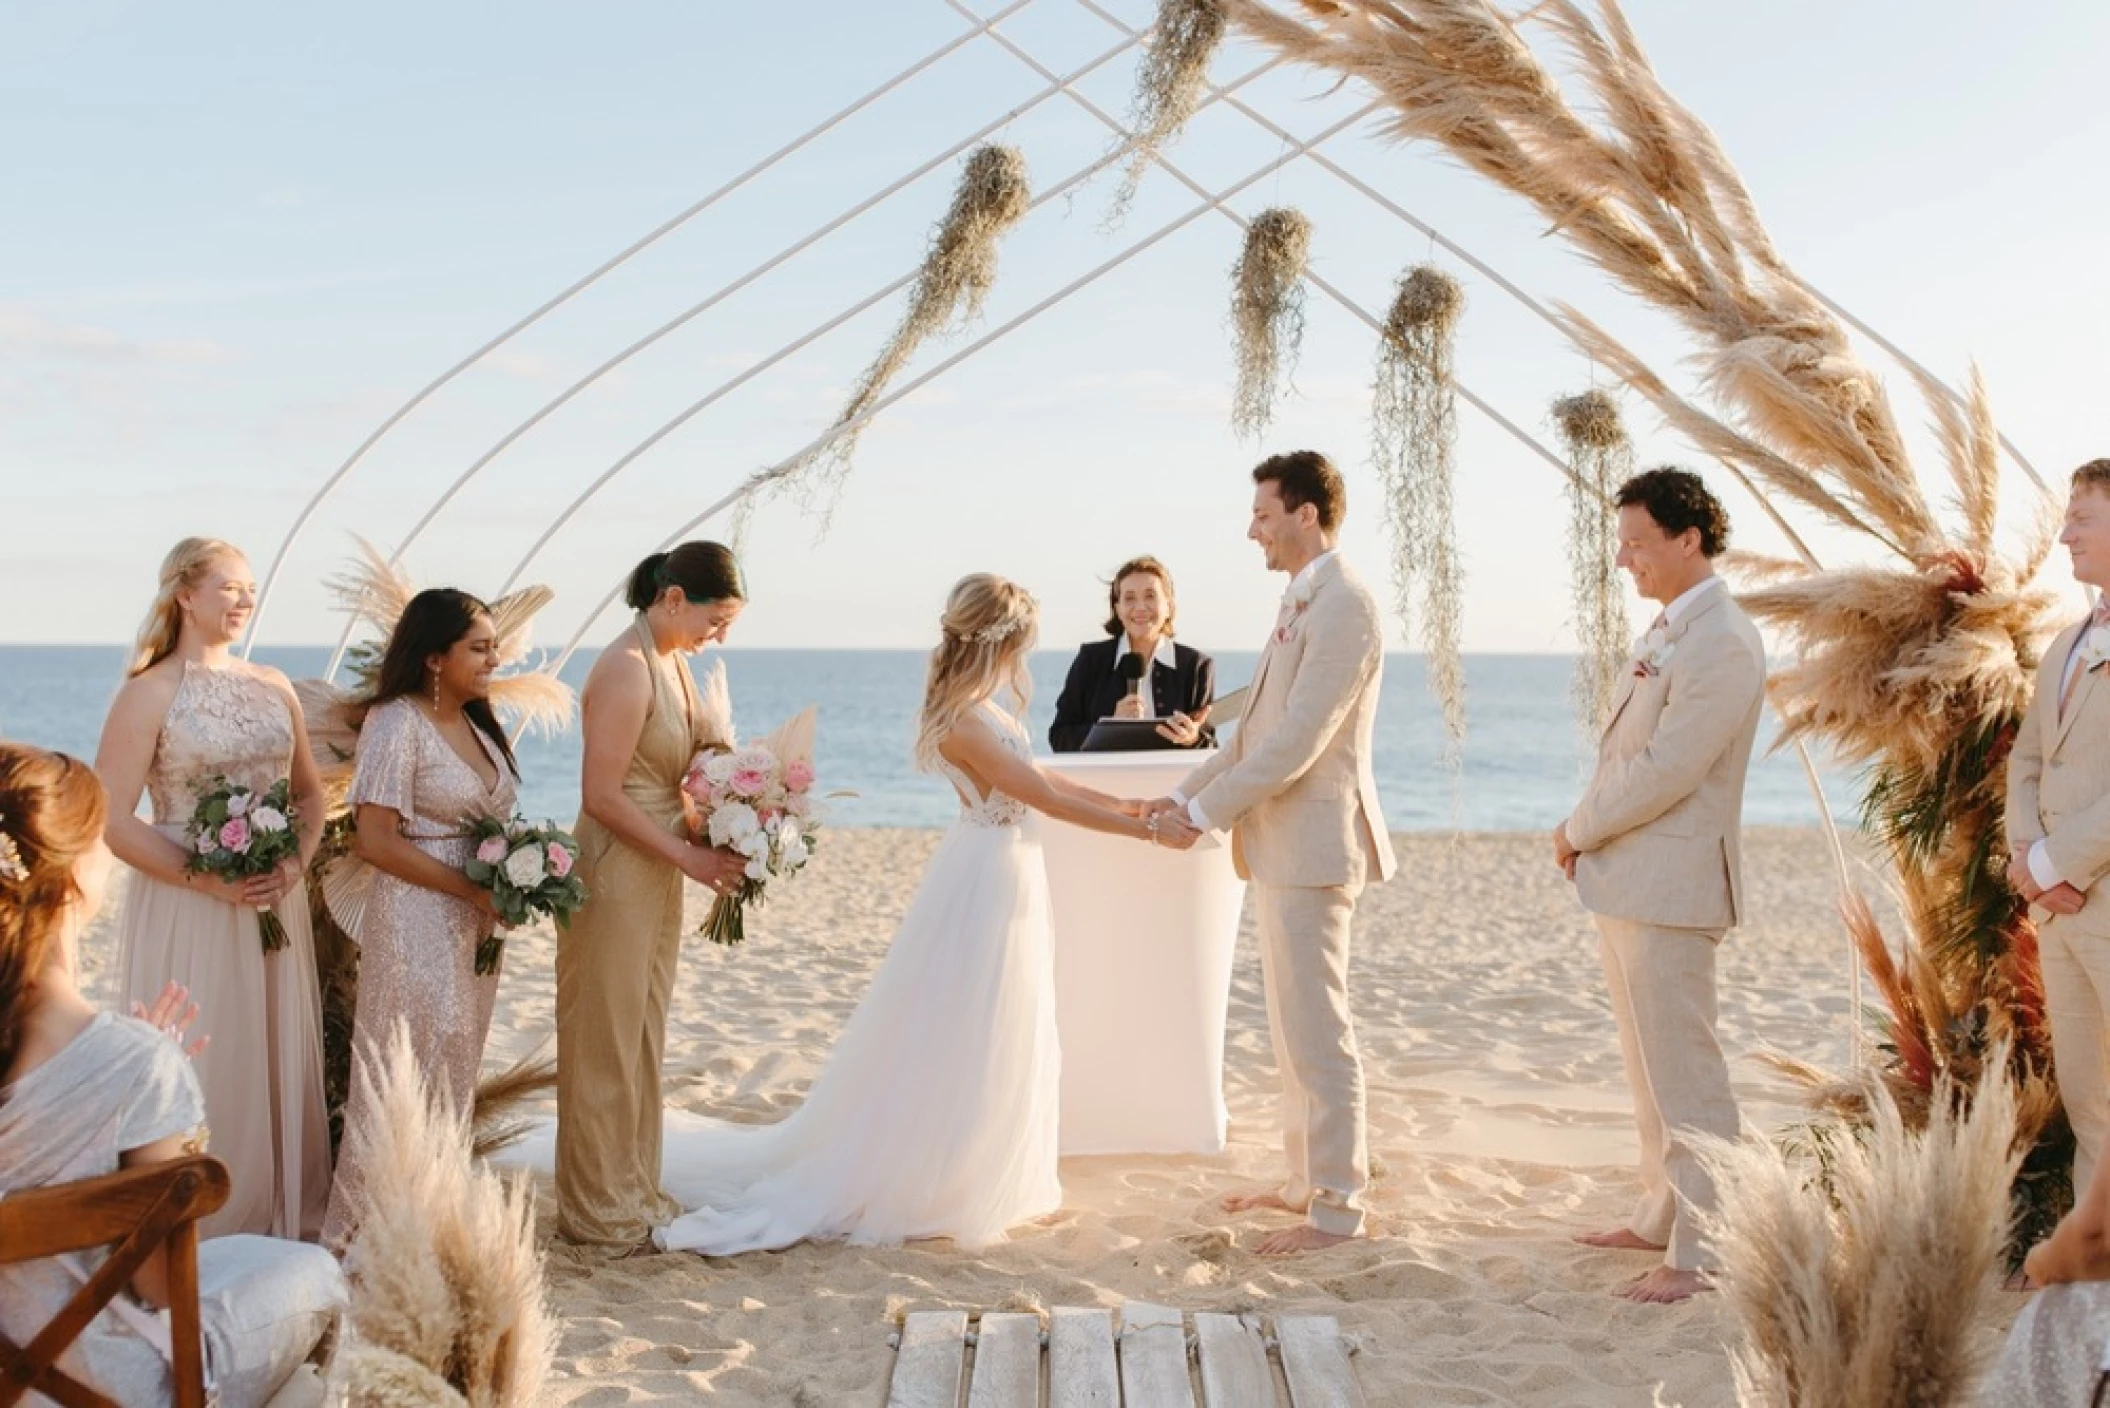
(935, 1114)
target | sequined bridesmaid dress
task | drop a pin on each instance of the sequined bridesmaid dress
(417, 947)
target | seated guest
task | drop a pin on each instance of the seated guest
(1140, 673)
(86, 1093)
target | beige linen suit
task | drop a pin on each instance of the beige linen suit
(1296, 791)
(2058, 792)
(1660, 831)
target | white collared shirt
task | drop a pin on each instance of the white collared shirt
(1689, 598)
(1165, 655)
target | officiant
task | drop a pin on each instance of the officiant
(1140, 672)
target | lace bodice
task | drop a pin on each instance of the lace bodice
(996, 809)
(223, 721)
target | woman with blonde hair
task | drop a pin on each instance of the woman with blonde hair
(191, 713)
(934, 1115)
(86, 1093)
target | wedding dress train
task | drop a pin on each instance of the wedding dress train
(935, 1114)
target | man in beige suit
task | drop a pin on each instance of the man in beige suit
(2058, 823)
(1655, 849)
(1295, 790)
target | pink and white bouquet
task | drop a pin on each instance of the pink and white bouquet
(528, 870)
(757, 800)
(239, 833)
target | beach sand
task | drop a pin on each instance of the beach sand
(1499, 1119)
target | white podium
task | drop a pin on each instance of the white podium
(1143, 941)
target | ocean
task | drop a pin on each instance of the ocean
(1523, 762)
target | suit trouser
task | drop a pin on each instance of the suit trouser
(1304, 959)
(1662, 987)
(2076, 961)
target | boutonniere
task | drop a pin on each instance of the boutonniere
(2095, 648)
(1652, 652)
(1296, 607)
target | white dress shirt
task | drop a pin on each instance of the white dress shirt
(1685, 600)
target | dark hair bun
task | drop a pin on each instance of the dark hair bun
(703, 571)
(645, 582)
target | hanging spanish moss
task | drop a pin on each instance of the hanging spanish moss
(1267, 314)
(958, 272)
(1414, 441)
(1594, 436)
(1169, 84)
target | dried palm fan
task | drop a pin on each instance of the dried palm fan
(1169, 85)
(1414, 443)
(447, 1283)
(1872, 1294)
(1267, 314)
(1918, 669)
(958, 271)
(1602, 458)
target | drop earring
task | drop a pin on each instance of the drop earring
(435, 694)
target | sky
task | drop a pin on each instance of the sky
(239, 236)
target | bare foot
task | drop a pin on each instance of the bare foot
(1664, 1285)
(1250, 1201)
(1619, 1239)
(1300, 1239)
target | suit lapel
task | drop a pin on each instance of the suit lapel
(2062, 719)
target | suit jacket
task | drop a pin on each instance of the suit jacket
(1295, 786)
(1660, 826)
(2058, 777)
(1093, 689)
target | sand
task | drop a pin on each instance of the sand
(1499, 1119)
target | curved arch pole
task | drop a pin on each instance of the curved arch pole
(783, 256)
(726, 388)
(775, 472)
(426, 392)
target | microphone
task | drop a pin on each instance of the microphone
(1131, 669)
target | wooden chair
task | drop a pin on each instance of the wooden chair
(135, 1213)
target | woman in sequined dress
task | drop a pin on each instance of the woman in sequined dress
(190, 712)
(432, 759)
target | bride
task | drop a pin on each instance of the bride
(934, 1116)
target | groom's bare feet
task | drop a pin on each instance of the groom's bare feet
(1255, 1200)
(1300, 1239)
(1664, 1286)
(1619, 1239)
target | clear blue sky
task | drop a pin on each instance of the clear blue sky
(240, 234)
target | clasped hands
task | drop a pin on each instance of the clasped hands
(2061, 898)
(1564, 852)
(1168, 822)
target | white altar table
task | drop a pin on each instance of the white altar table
(1143, 941)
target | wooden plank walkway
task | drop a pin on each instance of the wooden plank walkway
(1152, 1359)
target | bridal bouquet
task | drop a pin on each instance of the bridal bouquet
(528, 870)
(758, 801)
(239, 833)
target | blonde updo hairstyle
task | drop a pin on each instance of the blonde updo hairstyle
(182, 570)
(986, 634)
(51, 813)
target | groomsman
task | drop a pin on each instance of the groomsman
(2058, 824)
(1655, 850)
(1296, 791)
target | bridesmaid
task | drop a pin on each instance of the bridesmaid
(615, 963)
(432, 759)
(189, 711)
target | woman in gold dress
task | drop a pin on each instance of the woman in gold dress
(643, 721)
(432, 760)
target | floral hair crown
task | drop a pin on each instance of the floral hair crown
(1005, 629)
(12, 870)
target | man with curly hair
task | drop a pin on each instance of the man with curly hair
(1654, 848)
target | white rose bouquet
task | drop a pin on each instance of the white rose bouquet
(757, 801)
(528, 870)
(239, 833)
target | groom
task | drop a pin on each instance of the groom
(1654, 849)
(1296, 792)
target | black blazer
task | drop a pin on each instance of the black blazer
(1093, 689)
